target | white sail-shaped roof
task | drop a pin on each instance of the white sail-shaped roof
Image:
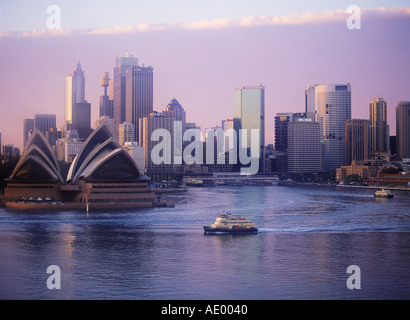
(99, 148)
(38, 161)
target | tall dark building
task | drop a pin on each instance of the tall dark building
(28, 128)
(379, 130)
(403, 129)
(139, 95)
(82, 119)
(281, 131)
(123, 62)
(357, 140)
(45, 123)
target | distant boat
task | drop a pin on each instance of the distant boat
(227, 223)
(383, 194)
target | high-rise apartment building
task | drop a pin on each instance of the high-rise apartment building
(74, 91)
(403, 129)
(332, 106)
(379, 130)
(357, 140)
(249, 113)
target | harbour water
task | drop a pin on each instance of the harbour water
(308, 238)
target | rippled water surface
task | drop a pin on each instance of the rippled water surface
(308, 237)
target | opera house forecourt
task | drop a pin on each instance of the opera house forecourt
(102, 176)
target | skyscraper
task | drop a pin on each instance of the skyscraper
(81, 120)
(147, 126)
(357, 140)
(304, 146)
(74, 91)
(176, 111)
(281, 131)
(46, 123)
(379, 130)
(403, 129)
(139, 95)
(332, 105)
(249, 113)
(28, 127)
(123, 62)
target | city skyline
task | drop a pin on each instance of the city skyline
(203, 79)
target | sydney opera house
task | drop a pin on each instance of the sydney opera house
(102, 176)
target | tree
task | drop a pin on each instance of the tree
(353, 178)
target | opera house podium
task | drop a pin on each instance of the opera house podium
(102, 176)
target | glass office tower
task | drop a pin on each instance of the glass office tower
(332, 105)
(249, 113)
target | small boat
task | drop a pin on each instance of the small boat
(383, 194)
(228, 223)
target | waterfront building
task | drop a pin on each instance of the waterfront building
(357, 140)
(403, 129)
(102, 176)
(332, 106)
(108, 120)
(249, 113)
(123, 62)
(28, 128)
(379, 130)
(74, 91)
(304, 148)
(364, 170)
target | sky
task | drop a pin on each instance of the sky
(201, 51)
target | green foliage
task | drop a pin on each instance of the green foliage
(353, 178)
(390, 171)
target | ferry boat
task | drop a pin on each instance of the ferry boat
(383, 194)
(228, 223)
